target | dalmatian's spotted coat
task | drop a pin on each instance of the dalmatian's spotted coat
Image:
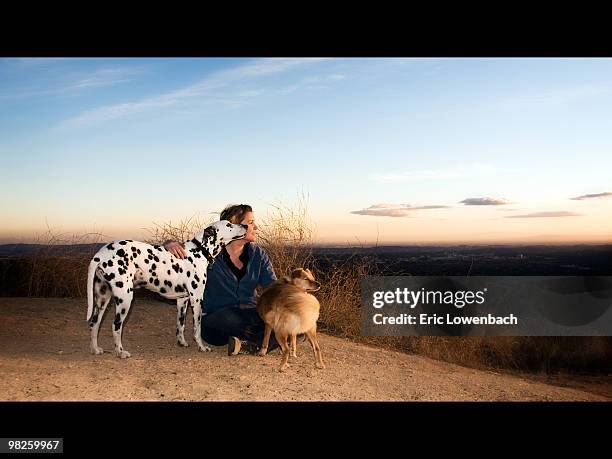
(120, 267)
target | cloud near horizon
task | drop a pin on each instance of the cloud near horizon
(383, 212)
(393, 210)
(484, 202)
(561, 213)
(384, 205)
(607, 194)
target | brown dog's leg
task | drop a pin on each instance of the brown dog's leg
(282, 340)
(266, 340)
(294, 345)
(314, 342)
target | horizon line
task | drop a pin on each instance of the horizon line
(369, 246)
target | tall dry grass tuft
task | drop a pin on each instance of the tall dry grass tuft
(57, 268)
(182, 231)
(286, 235)
(340, 295)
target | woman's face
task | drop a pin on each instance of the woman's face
(249, 219)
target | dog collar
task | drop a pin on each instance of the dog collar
(204, 250)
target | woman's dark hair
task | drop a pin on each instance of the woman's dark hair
(234, 213)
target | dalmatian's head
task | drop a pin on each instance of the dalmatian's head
(220, 233)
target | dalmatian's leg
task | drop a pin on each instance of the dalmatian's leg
(102, 296)
(123, 300)
(181, 318)
(197, 302)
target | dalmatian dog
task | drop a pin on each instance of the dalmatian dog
(120, 267)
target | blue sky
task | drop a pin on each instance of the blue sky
(385, 148)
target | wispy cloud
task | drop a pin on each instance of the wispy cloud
(561, 213)
(31, 62)
(435, 174)
(71, 83)
(207, 91)
(393, 210)
(592, 196)
(102, 77)
(484, 202)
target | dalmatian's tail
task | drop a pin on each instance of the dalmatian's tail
(93, 265)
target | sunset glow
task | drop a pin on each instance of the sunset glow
(388, 151)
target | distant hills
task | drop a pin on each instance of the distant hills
(416, 260)
(12, 250)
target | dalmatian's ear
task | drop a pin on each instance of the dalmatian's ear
(209, 232)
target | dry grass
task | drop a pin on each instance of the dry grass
(58, 268)
(182, 231)
(286, 235)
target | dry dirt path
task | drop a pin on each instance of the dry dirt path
(44, 355)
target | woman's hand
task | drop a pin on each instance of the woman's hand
(175, 248)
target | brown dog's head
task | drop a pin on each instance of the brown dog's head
(303, 279)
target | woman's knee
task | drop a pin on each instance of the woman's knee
(213, 337)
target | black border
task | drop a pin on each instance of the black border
(255, 32)
(306, 29)
(173, 427)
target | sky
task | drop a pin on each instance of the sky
(387, 151)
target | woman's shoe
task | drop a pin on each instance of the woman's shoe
(233, 346)
(236, 346)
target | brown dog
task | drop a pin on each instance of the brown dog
(287, 308)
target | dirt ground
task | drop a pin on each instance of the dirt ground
(44, 355)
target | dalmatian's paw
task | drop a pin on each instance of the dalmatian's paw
(204, 348)
(96, 350)
(183, 343)
(123, 354)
